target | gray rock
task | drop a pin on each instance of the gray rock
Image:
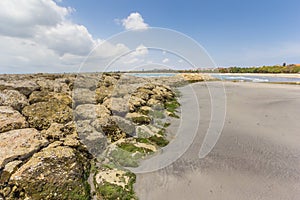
(90, 111)
(84, 96)
(125, 125)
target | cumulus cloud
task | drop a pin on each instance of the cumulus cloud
(134, 21)
(38, 36)
(67, 38)
(21, 18)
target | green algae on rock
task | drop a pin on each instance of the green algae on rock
(40, 115)
(63, 169)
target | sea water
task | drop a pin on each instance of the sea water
(253, 78)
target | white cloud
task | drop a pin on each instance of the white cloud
(136, 56)
(67, 38)
(21, 18)
(180, 61)
(166, 60)
(39, 37)
(134, 22)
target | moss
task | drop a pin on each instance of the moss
(167, 124)
(162, 132)
(159, 141)
(143, 140)
(132, 148)
(125, 158)
(172, 106)
(174, 115)
(141, 120)
(109, 191)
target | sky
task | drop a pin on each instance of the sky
(95, 35)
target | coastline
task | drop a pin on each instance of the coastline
(259, 74)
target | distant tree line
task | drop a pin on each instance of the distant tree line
(263, 69)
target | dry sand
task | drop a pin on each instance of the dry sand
(256, 157)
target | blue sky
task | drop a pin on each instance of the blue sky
(233, 32)
(225, 28)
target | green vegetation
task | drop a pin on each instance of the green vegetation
(132, 148)
(172, 106)
(159, 141)
(125, 158)
(167, 124)
(143, 140)
(263, 69)
(141, 120)
(110, 191)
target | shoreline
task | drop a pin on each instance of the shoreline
(283, 75)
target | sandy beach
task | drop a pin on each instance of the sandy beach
(256, 157)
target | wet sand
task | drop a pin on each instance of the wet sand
(256, 157)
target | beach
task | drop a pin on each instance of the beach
(256, 157)
(284, 75)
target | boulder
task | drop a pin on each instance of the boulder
(57, 85)
(125, 125)
(25, 87)
(56, 172)
(86, 81)
(110, 128)
(14, 99)
(45, 96)
(90, 111)
(103, 92)
(84, 96)
(137, 101)
(41, 115)
(54, 132)
(118, 106)
(145, 110)
(25, 143)
(138, 118)
(11, 119)
(153, 102)
(94, 140)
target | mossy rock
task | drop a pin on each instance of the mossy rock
(113, 132)
(138, 118)
(159, 141)
(41, 115)
(57, 172)
(45, 96)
